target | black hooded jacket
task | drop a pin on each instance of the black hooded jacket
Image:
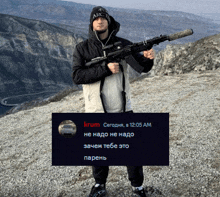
(92, 48)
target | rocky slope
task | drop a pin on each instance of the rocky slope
(34, 56)
(201, 55)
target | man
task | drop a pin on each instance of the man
(109, 80)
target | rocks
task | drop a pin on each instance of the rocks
(201, 55)
(191, 99)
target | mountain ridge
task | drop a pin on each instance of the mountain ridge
(34, 55)
(136, 25)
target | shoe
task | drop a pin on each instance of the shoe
(140, 193)
(98, 191)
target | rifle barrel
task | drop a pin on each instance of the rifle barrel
(180, 34)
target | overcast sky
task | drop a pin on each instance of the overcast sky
(191, 6)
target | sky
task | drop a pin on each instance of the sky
(191, 6)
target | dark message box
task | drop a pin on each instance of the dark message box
(106, 139)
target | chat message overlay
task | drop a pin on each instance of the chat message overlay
(110, 139)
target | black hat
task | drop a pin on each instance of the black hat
(99, 12)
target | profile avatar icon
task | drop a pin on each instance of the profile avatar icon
(67, 129)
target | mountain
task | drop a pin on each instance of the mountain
(34, 56)
(136, 25)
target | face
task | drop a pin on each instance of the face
(100, 24)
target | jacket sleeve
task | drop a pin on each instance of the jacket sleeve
(82, 74)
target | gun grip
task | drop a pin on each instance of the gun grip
(134, 64)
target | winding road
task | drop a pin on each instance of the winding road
(4, 102)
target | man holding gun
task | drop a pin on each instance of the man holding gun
(109, 79)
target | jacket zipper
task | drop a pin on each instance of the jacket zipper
(105, 43)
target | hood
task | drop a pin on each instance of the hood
(114, 26)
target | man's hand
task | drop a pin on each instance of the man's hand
(114, 67)
(149, 54)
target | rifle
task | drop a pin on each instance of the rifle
(115, 52)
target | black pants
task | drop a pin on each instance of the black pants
(135, 174)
